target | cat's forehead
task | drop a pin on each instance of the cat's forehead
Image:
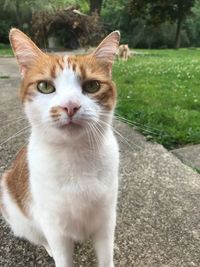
(66, 75)
(84, 67)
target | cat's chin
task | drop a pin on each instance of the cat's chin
(71, 126)
(69, 132)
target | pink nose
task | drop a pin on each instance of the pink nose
(71, 108)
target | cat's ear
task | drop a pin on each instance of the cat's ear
(24, 49)
(108, 48)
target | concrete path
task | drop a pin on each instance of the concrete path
(190, 155)
(158, 223)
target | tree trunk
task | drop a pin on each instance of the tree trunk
(179, 25)
(18, 15)
(95, 6)
(178, 33)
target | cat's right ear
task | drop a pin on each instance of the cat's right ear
(24, 49)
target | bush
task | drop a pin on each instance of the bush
(70, 27)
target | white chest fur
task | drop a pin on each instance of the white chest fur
(73, 186)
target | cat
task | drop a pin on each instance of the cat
(124, 52)
(63, 186)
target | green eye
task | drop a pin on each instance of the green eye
(45, 87)
(91, 86)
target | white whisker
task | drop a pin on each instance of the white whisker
(9, 120)
(13, 122)
(141, 126)
(15, 135)
(126, 141)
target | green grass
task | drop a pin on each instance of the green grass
(5, 50)
(159, 91)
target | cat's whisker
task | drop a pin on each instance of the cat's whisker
(101, 134)
(147, 129)
(13, 108)
(135, 122)
(14, 119)
(143, 127)
(22, 131)
(126, 141)
(90, 136)
(13, 122)
(8, 101)
(94, 135)
(23, 156)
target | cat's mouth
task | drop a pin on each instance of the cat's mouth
(70, 125)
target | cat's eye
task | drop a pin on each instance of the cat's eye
(45, 87)
(91, 86)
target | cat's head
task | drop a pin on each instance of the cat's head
(66, 96)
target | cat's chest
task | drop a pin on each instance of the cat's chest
(66, 168)
(67, 175)
(61, 164)
(69, 187)
(71, 192)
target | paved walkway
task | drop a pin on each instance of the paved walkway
(158, 222)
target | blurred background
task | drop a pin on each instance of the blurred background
(72, 23)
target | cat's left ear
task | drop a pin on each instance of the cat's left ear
(108, 48)
(24, 49)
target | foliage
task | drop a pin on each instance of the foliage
(71, 27)
(5, 50)
(158, 91)
(193, 26)
(149, 23)
(155, 12)
(159, 11)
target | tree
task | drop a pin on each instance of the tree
(157, 12)
(183, 9)
(95, 6)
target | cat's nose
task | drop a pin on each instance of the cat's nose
(71, 108)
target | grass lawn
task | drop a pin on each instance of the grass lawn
(5, 50)
(159, 92)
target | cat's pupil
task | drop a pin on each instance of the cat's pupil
(91, 86)
(45, 87)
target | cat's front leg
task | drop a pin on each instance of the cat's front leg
(104, 243)
(61, 247)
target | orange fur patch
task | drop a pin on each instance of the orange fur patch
(17, 182)
(45, 68)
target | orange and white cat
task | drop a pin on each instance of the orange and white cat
(63, 187)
